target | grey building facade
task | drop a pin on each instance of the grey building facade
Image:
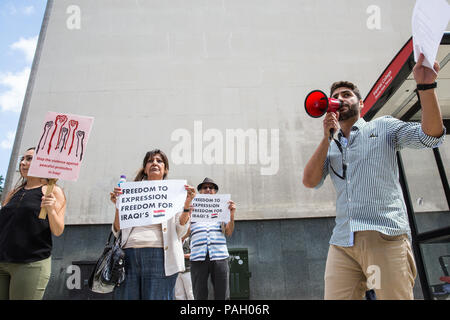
(219, 86)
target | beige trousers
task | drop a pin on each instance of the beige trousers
(376, 261)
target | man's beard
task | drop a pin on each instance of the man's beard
(352, 110)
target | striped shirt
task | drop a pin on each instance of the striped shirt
(208, 238)
(370, 197)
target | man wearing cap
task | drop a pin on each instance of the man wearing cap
(209, 252)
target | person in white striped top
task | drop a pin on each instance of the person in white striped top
(209, 251)
(370, 245)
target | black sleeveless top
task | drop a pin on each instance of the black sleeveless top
(23, 236)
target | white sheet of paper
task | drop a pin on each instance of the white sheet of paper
(210, 208)
(429, 21)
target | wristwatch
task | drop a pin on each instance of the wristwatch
(422, 87)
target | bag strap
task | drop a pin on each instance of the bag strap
(111, 234)
(126, 241)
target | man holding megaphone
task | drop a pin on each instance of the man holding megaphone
(370, 245)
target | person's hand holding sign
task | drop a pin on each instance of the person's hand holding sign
(423, 74)
(115, 194)
(190, 194)
(184, 218)
(232, 208)
(425, 78)
(48, 202)
(53, 203)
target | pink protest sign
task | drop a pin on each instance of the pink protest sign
(61, 146)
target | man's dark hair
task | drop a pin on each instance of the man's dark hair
(345, 84)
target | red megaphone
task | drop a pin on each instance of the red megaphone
(317, 104)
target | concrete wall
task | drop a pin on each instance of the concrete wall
(186, 76)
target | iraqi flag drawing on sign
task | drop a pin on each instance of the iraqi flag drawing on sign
(159, 213)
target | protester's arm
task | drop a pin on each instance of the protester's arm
(432, 124)
(182, 227)
(116, 224)
(7, 198)
(55, 204)
(229, 228)
(188, 233)
(113, 197)
(313, 172)
(182, 219)
(186, 214)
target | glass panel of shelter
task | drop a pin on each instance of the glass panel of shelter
(428, 198)
(436, 257)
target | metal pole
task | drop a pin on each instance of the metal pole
(442, 174)
(414, 231)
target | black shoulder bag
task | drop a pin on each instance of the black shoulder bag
(109, 271)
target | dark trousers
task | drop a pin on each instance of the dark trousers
(219, 271)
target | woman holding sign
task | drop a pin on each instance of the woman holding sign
(26, 240)
(153, 253)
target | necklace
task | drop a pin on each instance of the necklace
(24, 191)
(21, 196)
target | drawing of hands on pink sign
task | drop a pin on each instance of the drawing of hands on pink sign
(59, 121)
(48, 125)
(73, 125)
(65, 146)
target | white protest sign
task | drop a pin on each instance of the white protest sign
(210, 208)
(150, 202)
(429, 21)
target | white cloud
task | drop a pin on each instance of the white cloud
(27, 46)
(28, 10)
(13, 10)
(8, 142)
(12, 98)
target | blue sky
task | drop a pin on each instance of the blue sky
(20, 23)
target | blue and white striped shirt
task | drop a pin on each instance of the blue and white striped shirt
(208, 237)
(370, 198)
